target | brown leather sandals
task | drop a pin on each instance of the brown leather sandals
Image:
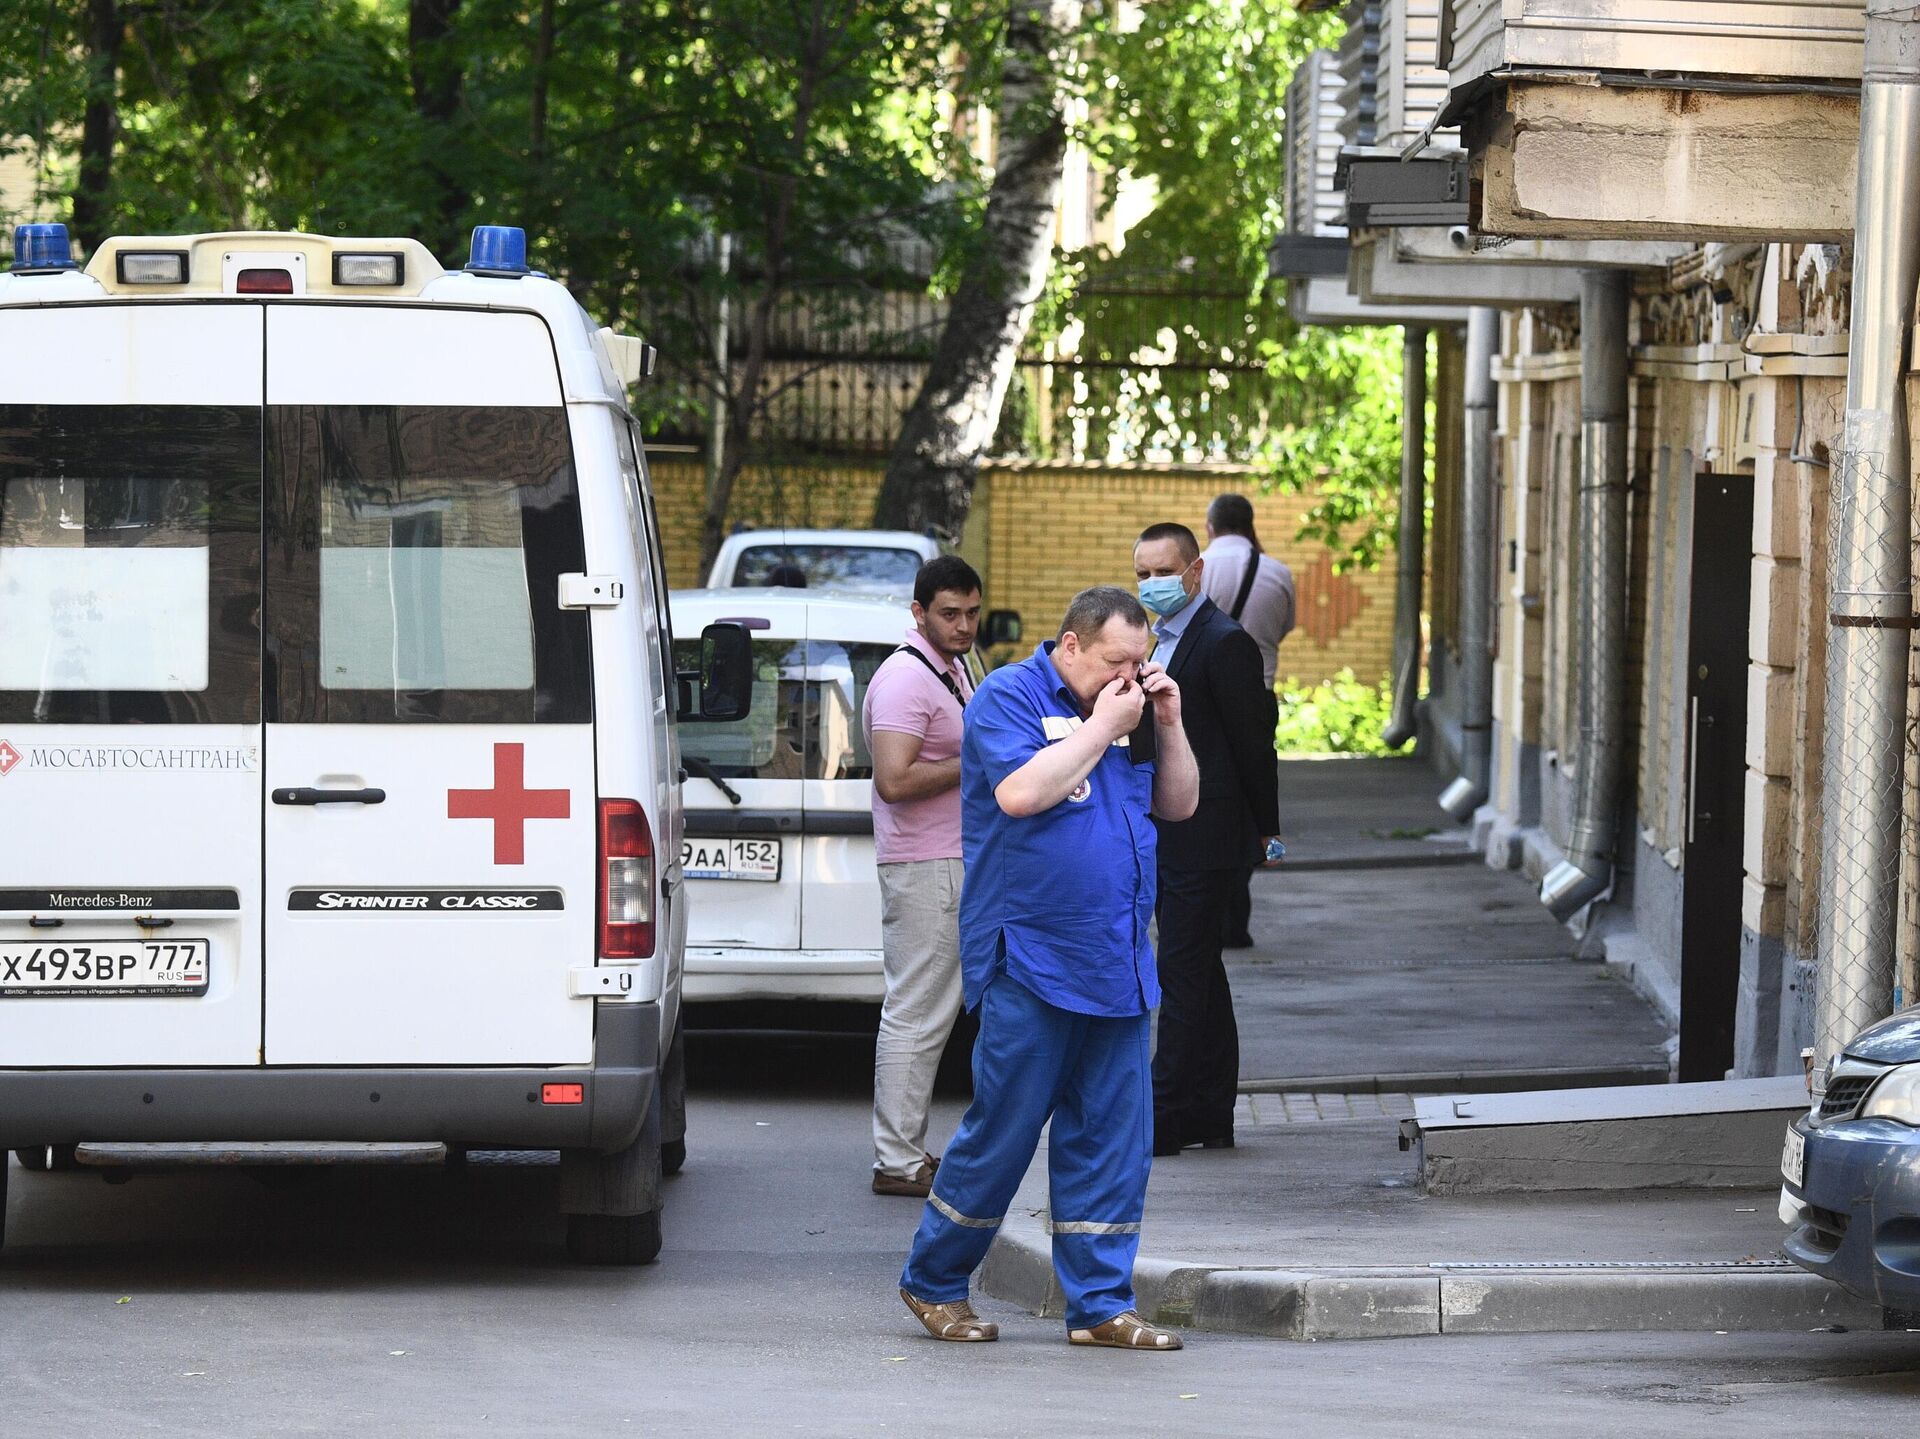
(1126, 1331)
(955, 1321)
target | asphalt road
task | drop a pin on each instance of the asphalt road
(443, 1303)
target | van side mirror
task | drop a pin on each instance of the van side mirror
(1002, 627)
(722, 688)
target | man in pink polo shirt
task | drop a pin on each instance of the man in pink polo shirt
(913, 722)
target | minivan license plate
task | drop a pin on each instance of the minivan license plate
(730, 858)
(103, 968)
(1793, 1158)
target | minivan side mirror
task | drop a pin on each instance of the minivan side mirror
(724, 682)
(1002, 627)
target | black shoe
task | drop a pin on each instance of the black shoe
(1219, 1141)
(1237, 941)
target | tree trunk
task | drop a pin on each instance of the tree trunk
(743, 399)
(542, 82)
(433, 67)
(100, 126)
(930, 474)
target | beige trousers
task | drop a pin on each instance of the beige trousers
(920, 936)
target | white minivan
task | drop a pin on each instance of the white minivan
(338, 802)
(778, 853)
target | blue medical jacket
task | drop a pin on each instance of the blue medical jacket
(1059, 900)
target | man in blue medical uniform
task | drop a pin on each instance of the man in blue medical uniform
(1062, 773)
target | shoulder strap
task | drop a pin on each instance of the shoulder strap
(938, 673)
(1246, 583)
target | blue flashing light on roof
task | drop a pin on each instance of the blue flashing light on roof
(41, 249)
(498, 250)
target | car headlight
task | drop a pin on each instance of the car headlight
(1895, 1096)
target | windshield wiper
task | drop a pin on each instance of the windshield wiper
(693, 764)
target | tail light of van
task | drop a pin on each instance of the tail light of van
(627, 873)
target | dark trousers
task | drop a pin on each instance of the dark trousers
(1196, 1064)
(1240, 910)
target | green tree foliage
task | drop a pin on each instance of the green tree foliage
(1194, 100)
(625, 135)
(1343, 715)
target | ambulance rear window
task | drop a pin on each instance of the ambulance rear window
(413, 564)
(129, 564)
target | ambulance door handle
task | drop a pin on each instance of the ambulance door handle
(329, 796)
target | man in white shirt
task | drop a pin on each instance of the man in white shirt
(1249, 584)
(1257, 590)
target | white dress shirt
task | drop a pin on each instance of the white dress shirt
(1268, 616)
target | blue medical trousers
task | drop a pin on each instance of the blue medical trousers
(1092, 1075)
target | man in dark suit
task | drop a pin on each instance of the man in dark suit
(1225, 712)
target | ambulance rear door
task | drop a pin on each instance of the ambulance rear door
(431, 828)
(130, 765)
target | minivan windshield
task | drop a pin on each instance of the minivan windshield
(804, 722)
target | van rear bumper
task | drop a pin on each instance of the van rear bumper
(470, 1106)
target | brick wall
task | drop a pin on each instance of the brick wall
(1039, 533)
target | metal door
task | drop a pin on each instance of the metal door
(1714, 866)
(430, 837)
(130, 769)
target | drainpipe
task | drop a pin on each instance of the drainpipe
(1467, 793)
(1601, 639)
(1401, 725)
(1871, 604)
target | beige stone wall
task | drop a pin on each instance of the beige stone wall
(1749, 385)
(1039, 533)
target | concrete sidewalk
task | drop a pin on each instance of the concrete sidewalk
(1374, 977)
(1370, 972)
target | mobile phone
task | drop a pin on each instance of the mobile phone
(1142, 744)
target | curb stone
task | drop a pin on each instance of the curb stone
(1390, 1303)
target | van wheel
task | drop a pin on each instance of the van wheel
(612, 1201)
(614, 1238)
(673, 1102)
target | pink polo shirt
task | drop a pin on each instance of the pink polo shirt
(905, 697)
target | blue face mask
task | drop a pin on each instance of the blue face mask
(1164, 594)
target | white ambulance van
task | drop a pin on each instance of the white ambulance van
(339, 804)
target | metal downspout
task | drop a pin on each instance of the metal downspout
(1401, 724)
(1601, 636)
(1871, 600)
(1469, 791)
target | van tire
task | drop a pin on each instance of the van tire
(612, 1201)
(614, 1238)
(673, 1102)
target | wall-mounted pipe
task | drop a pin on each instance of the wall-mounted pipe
(1871, 598)
(1469, 791)
(1401, 723)
(1601, 624)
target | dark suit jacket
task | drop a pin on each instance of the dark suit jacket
(1228, 715)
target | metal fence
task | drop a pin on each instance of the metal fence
(1126, 365)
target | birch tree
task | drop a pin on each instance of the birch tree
(930, 473)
